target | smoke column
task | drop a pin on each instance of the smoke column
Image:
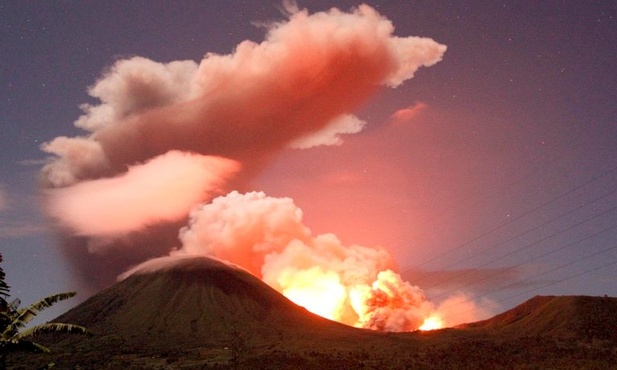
(174, 146)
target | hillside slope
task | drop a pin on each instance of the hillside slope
(578, 317)
(202, 311)
(193, 298)
(199, 313)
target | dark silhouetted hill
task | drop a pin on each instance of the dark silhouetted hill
(577, 317)
(199, 313)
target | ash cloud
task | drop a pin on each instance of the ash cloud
(309, 71)
(297, 88)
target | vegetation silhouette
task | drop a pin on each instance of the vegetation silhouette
(13, 321)
(197, 313)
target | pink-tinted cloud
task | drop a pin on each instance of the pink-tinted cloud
(310, 70)
(331, 133)
(136, 85)
(407, 114)
(161, 190)
(352, 284)
(298, 87)
(243, 228)
(79, 157)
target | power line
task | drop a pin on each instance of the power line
(544, 273)
(535, 288)
(528, 260)
(540, 226)
(527, 246)
(570, 148)
(488, 193)
(501, 226)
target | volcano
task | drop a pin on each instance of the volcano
(194, 313)
(197, 298)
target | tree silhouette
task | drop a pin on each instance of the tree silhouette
(13, 321)
(4, 288)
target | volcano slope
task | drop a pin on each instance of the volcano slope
(200, 313)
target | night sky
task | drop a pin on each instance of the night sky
(493, 171)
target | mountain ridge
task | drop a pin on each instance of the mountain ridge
(557, 316)
(200, 313)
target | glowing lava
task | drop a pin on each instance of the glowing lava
(351, 284)
(318, 291)
(433, 322)
(388, 304)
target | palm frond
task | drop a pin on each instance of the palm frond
(27, 314)
(13, 319)
(11, 329)
(48, 366)
(25, 346)
(53, 327)
(4, 288)
(14, 305)
(5, 317)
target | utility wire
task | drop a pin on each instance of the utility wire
(501, 226)
(528, 260)
(527, 246)
(547, 272)
(500, 185)
(535, 288)
(540, 226)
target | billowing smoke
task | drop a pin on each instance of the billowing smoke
(168, 141)
(352, 284)
(302, 81)
(266, 236)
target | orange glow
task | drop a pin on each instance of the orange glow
(389, 303)
(318, 291)
(432, 323)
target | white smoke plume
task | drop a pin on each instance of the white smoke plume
(136, 85)
(351, 284)
(78, 158)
